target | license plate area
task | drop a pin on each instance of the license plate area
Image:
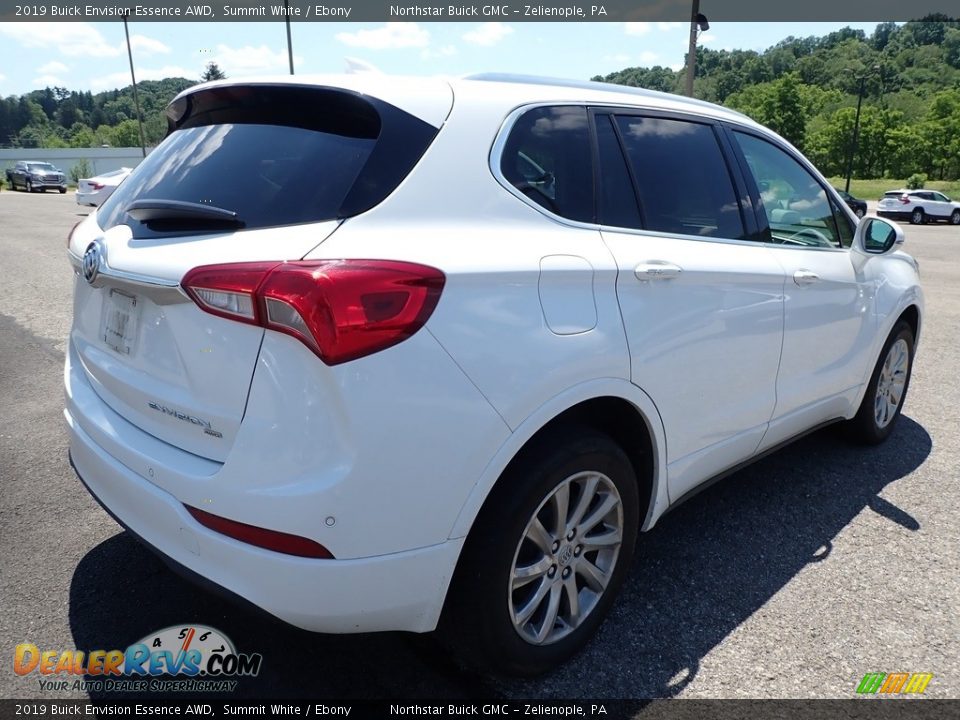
(119, 322)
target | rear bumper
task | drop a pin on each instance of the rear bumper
(90, 198)
(402, 591)
(894, 214)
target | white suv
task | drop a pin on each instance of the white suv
(387, 354)
(919, 206)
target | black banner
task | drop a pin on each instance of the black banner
(501, 10)
(858, 709)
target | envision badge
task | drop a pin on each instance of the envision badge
(192, 419)
(92, 258)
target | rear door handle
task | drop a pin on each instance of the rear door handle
(657, 270)
(805, 277)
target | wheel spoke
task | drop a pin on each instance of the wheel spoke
(528, 573)
(550, 619)
(527, 611)
(606, 539)
(595, 577)
(608, 503)
(561, 503)
(891, 407)
(573, 600)
(539, 536)
(587, 493)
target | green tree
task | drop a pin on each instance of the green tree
(212, 72)
(127, 134)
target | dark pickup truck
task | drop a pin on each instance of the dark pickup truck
(34, 175)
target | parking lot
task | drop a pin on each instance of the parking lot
(791, 579)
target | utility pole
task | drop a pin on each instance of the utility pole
(698, 24)
(856, 125)
(133, 78)
(286, 6)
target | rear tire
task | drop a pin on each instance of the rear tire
(546, 557)
(859, 212)
(887, 389)
(917, 217)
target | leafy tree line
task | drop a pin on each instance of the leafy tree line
(57, 117)
(806, 89)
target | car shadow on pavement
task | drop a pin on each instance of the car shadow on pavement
(702, 571)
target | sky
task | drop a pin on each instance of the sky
(92, 56)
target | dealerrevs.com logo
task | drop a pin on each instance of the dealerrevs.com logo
(190, 658)
(894, 683)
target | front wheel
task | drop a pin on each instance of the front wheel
(955, 217)
(63, 190)
(547, 556)
(887, 389)
(29, 186)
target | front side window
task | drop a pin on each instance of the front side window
(682, 178)
(796, 205)
(547, 158)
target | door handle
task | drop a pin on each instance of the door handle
(657, 270)
(805, 277)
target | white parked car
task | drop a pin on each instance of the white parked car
(447, 380)
(93, 191)
(919, 206)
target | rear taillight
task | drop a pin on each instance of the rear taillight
(261, 537)
(340, 309)
(904, 199)
(96, 186)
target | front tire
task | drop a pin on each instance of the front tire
(860, 212)
(917, 217)
(887, 389)
(29, 186)
(546, 557)
(63, 190)
(955, 217)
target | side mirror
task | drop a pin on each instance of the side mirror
(877, 236)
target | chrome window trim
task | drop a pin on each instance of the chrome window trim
(500, 141)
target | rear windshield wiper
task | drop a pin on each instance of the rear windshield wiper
(181, 213)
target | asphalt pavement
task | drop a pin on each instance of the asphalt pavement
(790, 579)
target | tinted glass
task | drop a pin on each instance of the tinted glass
(682, 177)
(845, 227)
(547, 158)
(796, 205)
(275, 156)
(618, 202)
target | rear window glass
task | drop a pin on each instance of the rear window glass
(274, 156)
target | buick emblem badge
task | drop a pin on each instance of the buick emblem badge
(92, 258)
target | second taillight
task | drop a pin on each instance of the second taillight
(340, 309)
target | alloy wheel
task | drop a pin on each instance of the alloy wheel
(565, 558)
(893, 378)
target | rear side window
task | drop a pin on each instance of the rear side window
(547, 158)
(682, 178)
(275, 156)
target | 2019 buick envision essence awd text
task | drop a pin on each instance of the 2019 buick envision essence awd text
(377, 353)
